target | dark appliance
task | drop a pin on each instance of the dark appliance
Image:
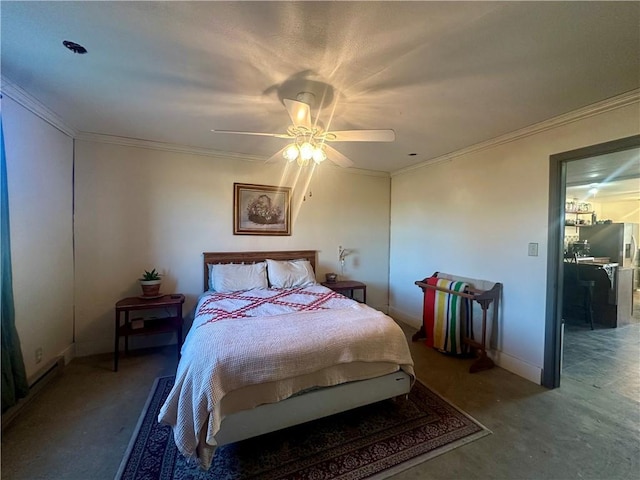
(581, 249)
(618, 241)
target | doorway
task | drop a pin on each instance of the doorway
(558, 175)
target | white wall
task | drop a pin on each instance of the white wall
(474, 216)
(139, 208)
(40, 175)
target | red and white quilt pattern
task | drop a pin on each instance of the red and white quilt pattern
(216, 306)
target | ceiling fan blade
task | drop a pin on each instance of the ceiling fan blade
(299, 112)
(337, 158)
(362, 136)
(262, 134)
(276, 156)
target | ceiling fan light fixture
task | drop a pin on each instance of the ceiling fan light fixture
(291, 152)
(307, 138)
(306, 151)
(319, 156)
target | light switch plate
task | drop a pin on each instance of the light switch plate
(533, 249)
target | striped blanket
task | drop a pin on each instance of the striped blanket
(446, 316)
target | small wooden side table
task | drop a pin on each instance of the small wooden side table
(344, 286)
(172, 323)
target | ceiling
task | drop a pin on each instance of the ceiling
(443, 75)
(614, 176)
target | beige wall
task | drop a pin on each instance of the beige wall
(621, 212)
(475, 215)
(627, 211)
(40, 175)
(139, 208)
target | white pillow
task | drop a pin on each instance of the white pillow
(290, 273)
(230, 277)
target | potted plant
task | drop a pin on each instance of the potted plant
(150, 283)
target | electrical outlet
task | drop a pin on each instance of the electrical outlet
(38, 355)
(533, 249)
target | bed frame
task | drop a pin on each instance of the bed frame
(307, 406)
(253, 257)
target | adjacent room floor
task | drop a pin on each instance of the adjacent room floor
(604, 358)
(80, 425)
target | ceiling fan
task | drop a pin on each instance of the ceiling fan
(309, 140)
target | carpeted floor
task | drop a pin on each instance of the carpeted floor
(372, 441)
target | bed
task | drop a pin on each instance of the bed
(269, 348)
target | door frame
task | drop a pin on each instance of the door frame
(555, 255)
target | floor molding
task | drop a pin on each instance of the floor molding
(37, 384)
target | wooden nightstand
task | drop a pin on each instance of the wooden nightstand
(348, 286)
(146, 327)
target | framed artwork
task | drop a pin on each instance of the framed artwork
(261, 210)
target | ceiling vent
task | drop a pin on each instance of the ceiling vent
(74, 47)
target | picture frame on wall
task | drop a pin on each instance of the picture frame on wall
(261, 209)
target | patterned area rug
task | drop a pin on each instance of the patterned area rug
(374, 441)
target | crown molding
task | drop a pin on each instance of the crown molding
(604, 106)
(357, 171)
(23, 98)
(20, 96)
(207, 152)
(166, 147)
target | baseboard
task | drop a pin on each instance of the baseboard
(503, 360)
(69, 353)
(517, 366)
(404, 317)
(37, 382)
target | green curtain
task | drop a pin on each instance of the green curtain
(14, 377)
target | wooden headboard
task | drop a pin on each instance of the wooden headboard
(253, 257)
